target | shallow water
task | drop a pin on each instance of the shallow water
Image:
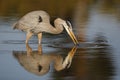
(96, 25)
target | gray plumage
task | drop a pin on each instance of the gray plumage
(37, 22)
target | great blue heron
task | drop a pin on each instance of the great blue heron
(37, 22)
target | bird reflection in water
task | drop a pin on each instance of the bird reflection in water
(39, 64)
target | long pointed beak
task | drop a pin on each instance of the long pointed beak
(71, 34)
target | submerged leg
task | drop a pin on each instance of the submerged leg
(28, 36)
(28, 49)
(39, 49)
(39, 38)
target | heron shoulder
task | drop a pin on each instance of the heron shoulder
(59, 20)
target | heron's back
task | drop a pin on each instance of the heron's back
(31, 20)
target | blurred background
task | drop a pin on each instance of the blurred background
(96, 23)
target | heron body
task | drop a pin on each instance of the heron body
(37, 22)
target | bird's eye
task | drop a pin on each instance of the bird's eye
(69, 24)
(40, 19)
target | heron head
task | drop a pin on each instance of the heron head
(68, 27)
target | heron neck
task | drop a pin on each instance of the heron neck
(57, 29)
(58, 63)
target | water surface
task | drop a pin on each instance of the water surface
(96, 25)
